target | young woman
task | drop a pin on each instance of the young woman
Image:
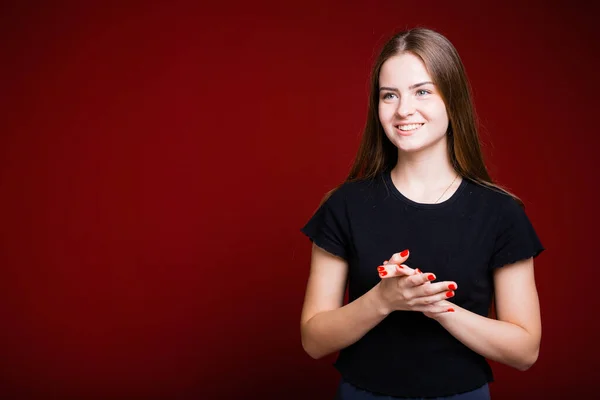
(419, 194)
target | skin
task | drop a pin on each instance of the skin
(422, 174)
(407, 95)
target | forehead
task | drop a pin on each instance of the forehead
(403, 70)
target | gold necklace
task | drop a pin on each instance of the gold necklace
(446, 189)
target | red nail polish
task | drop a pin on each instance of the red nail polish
(400, 266)
(404, 253)
(452, 286)
(380, 269)
(383, 273)
(449, 294)
(430, 277)
(451, 310)
(418, 270)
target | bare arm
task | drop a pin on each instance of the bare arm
(514, 338)
(326, 326)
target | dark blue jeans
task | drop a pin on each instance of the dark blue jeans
(347, 391)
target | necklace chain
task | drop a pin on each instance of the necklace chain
(446, 189)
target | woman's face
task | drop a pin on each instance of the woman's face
(411, 110)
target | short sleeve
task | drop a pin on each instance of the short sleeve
(516, 238)
(328, 228)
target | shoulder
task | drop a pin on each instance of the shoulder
(493, 199)
(508, 214)
(356, 192)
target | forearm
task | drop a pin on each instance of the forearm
(331, 331)
(496, 340)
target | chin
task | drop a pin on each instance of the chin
(413, 145)
(405, 149)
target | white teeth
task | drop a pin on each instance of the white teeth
(410, 127)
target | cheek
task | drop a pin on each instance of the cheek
(385, 113)
(437, 112)
(380, 112)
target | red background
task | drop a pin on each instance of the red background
(157, 160)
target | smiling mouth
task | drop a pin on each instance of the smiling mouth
(409, 127)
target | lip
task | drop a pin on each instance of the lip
(403, 133)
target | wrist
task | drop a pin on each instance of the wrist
(378, 302)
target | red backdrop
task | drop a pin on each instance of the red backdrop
(157, 161)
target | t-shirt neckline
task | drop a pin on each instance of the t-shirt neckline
(388, 180)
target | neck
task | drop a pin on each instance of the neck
(425, 176)
(424, 169)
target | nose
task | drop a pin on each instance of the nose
(406, 107)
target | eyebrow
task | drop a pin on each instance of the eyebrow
(416, 85)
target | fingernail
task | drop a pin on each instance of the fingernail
(404, 253)
(380, 268)
(452, 286)
(451, 310)
(418, 270)
(430, 277)
(400, 266)
(383, 273)
(449, 294)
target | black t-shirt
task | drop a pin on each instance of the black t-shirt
(461, 239)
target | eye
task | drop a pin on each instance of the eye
(423, 92)
(388, 96)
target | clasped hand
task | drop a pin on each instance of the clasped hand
(407, 289)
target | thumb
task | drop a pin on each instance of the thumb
(399, 258)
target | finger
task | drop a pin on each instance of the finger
(400, 258)
(420, 278)
(391, 270)
(439, 307)
(401, 269)
(443, 307)
(420, 272)
(434, 298)
(431, 289)
(403, 266)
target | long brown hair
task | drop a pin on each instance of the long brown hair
(377, 154)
